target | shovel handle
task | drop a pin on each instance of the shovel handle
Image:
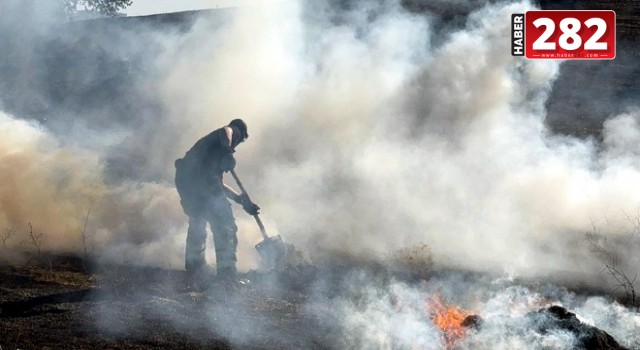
(262, 229)
(244, 192)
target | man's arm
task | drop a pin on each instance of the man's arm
(248, 206)
(231, 193)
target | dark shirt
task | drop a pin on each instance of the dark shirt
(202, 164)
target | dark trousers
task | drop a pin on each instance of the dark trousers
(207, 204)
(217, 212)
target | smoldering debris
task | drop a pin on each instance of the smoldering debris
(379, 168)
(330, 307)
(444, 314)
(558, 319)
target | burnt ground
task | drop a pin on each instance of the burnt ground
(66, 302)
(62, 303)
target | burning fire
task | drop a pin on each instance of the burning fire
(448, 319)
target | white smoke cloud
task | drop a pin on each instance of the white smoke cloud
(365, 146)
(44, 183)
(398, 315)
(368, 134)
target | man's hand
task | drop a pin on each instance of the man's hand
(248, 206)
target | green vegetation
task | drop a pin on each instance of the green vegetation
(105, 7)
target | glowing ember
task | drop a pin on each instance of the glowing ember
(448, 319)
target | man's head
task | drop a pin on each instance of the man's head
(240, 132)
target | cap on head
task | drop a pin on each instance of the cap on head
(242, 126)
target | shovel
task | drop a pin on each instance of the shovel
(271, 249)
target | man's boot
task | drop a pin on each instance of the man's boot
(228, 277)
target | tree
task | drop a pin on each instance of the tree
(105, 7)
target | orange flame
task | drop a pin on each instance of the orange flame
(448, 319)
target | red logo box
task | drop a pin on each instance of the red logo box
(570, 34)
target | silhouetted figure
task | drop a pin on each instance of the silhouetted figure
(203, 196)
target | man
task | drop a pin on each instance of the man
(203, 196)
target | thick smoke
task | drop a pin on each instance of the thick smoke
(400, 315)
(372, 129)
(369, 133)
(43, 182)
(367, 139)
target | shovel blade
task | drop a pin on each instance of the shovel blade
(271, 250)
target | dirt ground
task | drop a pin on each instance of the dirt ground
(60, 302)
(66, 302)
